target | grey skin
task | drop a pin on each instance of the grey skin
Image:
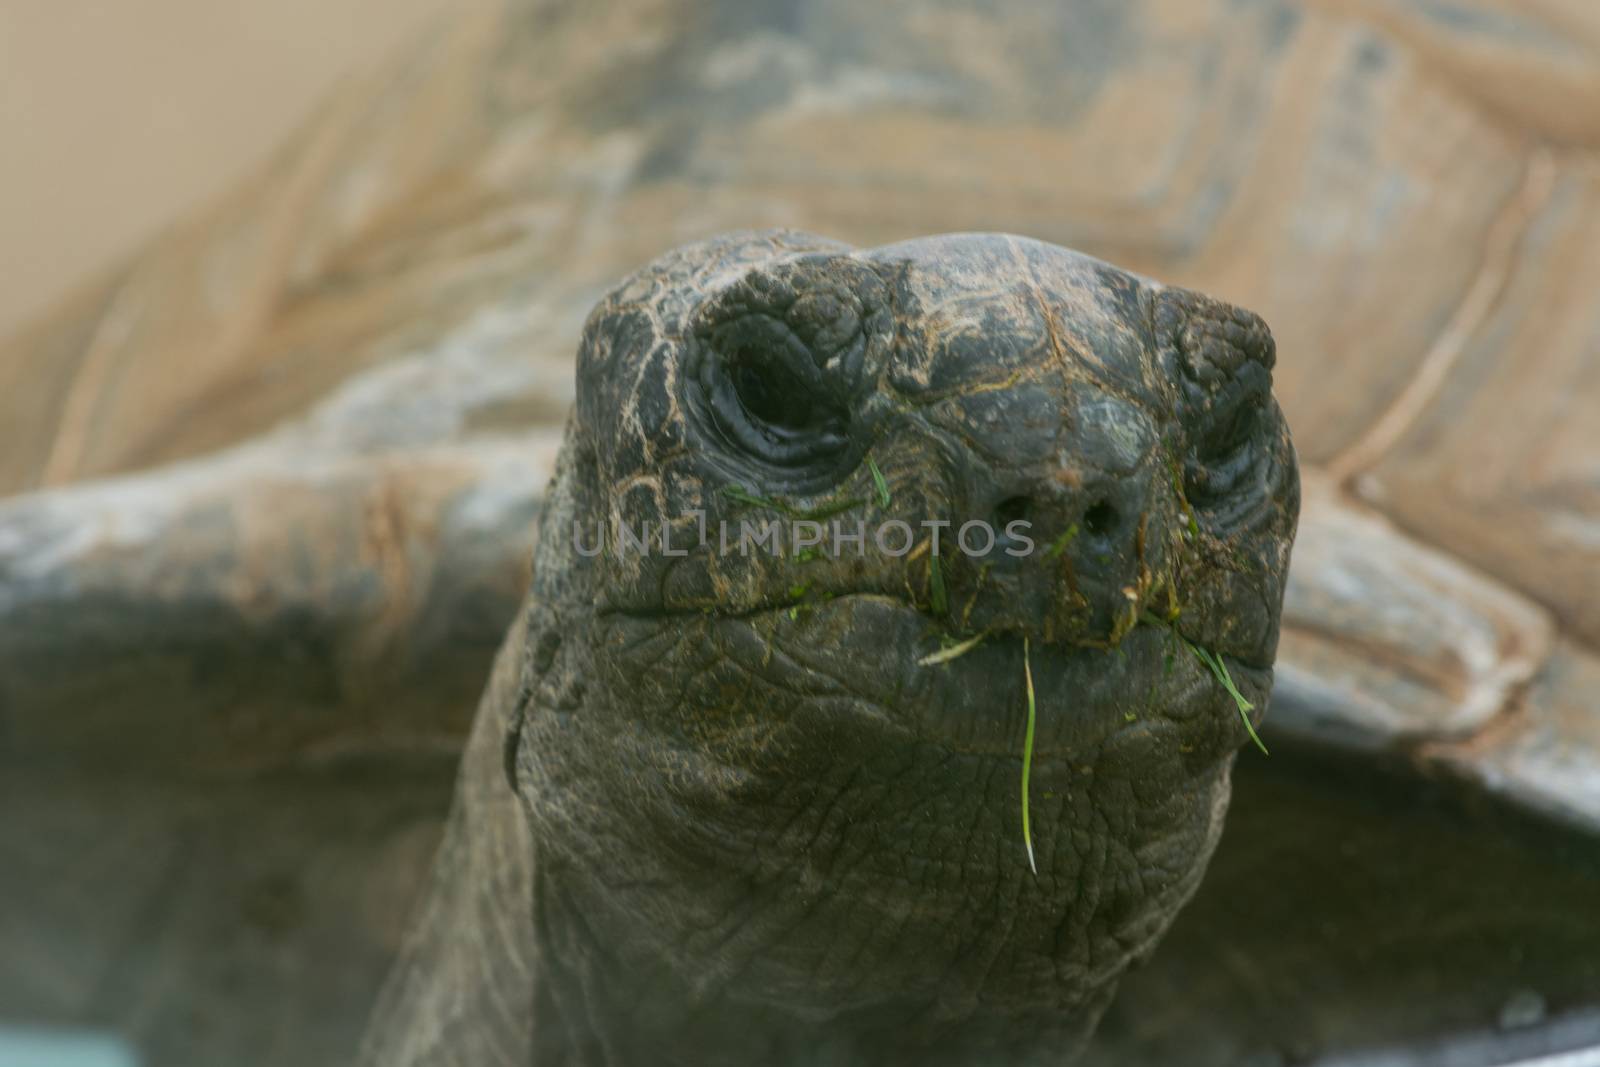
(760, 831)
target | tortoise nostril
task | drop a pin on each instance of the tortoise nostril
(1100, 520)
(1013, 509)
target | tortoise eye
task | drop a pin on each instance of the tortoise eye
(1229, 426)
(776, 367)
(771, 396)
(1222, 357)
(1226, 447)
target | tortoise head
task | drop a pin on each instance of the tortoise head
(822, 518)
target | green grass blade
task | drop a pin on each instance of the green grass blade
(936, 591)
(1219, 670)
(743, 496)
(1027, 758)
(1059, 545)
(877, 480)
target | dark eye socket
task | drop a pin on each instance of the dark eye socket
(1233, 430)
(1227, 446)
(770, 395)
(773, 396)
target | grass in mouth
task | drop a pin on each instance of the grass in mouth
(1213, 662)
(1027, 757)
(955, 651)
(1219, 670)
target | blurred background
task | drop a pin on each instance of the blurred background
(118, 118)
(289, 296)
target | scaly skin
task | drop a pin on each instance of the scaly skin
(760, 831)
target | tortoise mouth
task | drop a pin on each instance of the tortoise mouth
(881, 658)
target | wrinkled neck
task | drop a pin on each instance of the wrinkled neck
(594, 1010)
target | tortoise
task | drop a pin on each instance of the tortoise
(277, 481)
(759, 769)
